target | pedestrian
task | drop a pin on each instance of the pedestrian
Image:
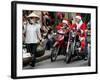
(32, 35)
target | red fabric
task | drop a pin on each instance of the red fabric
(82, 27)
(58, 27)
(73, 26)
(82, 44)
(60, 24)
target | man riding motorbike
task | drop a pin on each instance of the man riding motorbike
(61, 39)
(81, 28)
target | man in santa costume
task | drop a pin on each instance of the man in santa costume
(64, 28)
(65, 25)
(81, 27)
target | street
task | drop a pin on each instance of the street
(59, 63)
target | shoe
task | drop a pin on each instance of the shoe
(85, 58)
(79, 58)
(32, 64)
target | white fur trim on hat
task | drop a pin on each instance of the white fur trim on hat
(65, 21)
(79, 17)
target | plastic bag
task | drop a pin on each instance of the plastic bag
(40, 48)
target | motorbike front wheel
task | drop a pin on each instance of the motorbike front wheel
(68, 55)
(54, 54)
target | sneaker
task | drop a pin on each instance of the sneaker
(85, 58)
(32, 64)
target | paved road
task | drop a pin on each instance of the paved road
(59, 63)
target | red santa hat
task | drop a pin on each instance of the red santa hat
(78, 16)
(65, 21)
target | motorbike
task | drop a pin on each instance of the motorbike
(58, 46)
(70, 48)
(73, 45)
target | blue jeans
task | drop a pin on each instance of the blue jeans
(49, 44)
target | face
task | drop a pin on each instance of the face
(32, 20)
(77, 20)
(65, 25)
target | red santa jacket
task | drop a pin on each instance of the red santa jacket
(60, 25)
(82, 27)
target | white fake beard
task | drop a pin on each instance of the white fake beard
(79, 24)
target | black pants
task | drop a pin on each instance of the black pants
(31, 48)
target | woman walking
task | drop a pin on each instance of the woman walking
(32, 35)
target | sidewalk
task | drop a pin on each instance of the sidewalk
(45, 56)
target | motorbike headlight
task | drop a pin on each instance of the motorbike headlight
(77, 44)
(54, 33)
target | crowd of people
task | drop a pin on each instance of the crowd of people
(36, 31)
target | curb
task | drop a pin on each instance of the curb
(45, 57)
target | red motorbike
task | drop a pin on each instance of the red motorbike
(59, 45)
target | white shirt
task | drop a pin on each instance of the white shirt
(32, 33)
